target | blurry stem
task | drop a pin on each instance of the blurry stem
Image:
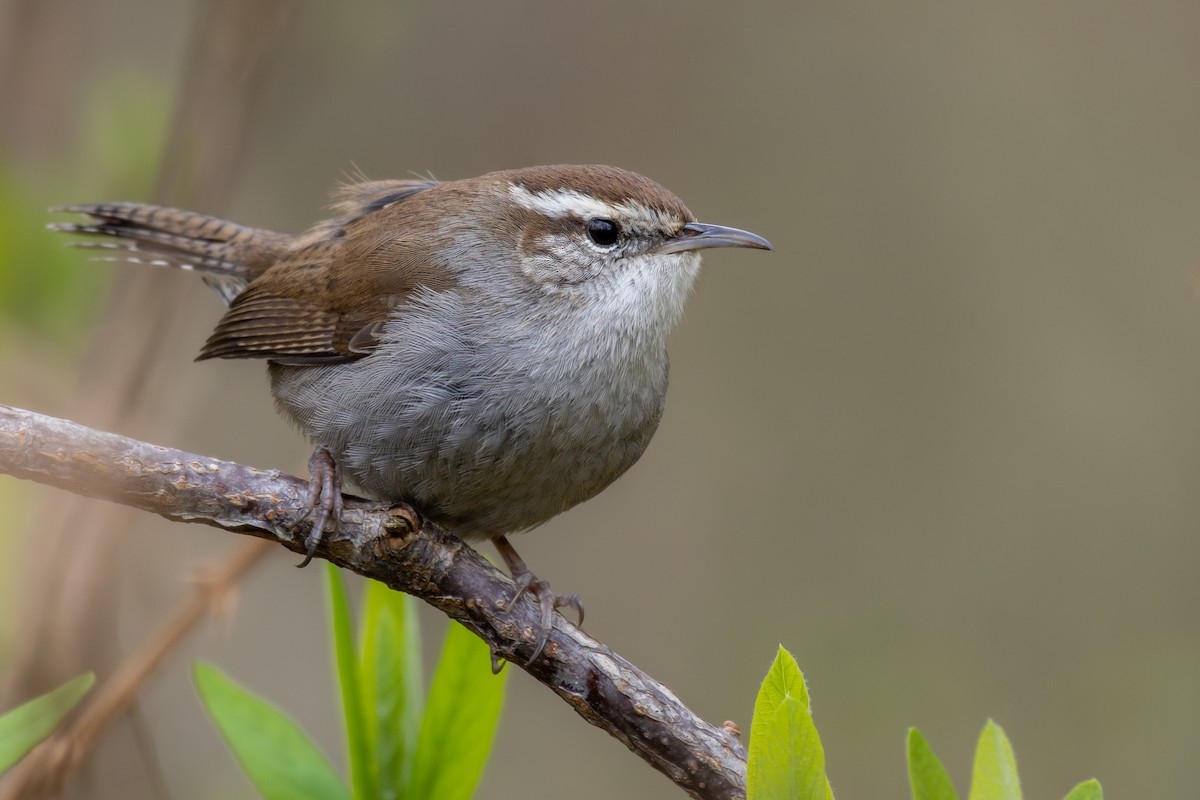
(46, 770)
(390, 545)
(71, 618)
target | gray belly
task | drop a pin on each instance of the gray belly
(479, 449)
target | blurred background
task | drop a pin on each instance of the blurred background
(943, 444)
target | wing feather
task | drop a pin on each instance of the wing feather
(327, 299)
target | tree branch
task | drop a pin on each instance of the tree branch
(391, 545)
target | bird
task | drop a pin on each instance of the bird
(491, 350)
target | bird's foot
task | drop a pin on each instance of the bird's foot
(547, 600)
(324, 499)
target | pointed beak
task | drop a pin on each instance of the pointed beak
(698, 236)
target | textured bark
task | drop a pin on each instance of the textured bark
(391, 545)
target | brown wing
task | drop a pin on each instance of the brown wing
(327, 300)
(260, 324)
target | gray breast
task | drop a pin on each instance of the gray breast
(486, 434)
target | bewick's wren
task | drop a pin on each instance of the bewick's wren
(490, 350)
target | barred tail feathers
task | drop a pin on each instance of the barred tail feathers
(230, 255)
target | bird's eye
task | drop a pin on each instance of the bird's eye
(603, 232)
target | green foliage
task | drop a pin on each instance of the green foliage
(391, 684)
(123, 133)
(275, 752)
(44, 286)
(1088, 790)
(460, 720)
(29, 723)
(926, 775)
(786, 760)
(362, 774)
(47, 289)
(993, 776)
(395, 750)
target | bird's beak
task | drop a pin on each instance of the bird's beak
(698, 236)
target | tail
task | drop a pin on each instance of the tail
(229, 255)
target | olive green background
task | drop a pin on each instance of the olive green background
(943, 444)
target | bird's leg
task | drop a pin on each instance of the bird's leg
(324, 499)
(548, 601)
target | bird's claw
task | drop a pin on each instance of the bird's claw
(324, 500)
(548, 601)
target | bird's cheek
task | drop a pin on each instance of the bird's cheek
(557, 267)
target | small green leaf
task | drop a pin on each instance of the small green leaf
(390, 666)
(1088, 790)
(926, 775)
(459, 725)
(362, 768)
(29, 723)
(994, 776)
(786, 759)
(280, 759)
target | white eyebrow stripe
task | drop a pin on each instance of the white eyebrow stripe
(559, 203)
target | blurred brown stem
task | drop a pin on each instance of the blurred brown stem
(391, 546)
(48, 768)
(69, 620)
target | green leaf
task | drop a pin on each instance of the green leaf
(390, 666)
(926, 775)
(1088, 790)
(280, 759)
(786, 759)
(362, 768)
(459, 725)
(994, 776)
(29, 723)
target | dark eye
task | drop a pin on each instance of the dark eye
(603, 232)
